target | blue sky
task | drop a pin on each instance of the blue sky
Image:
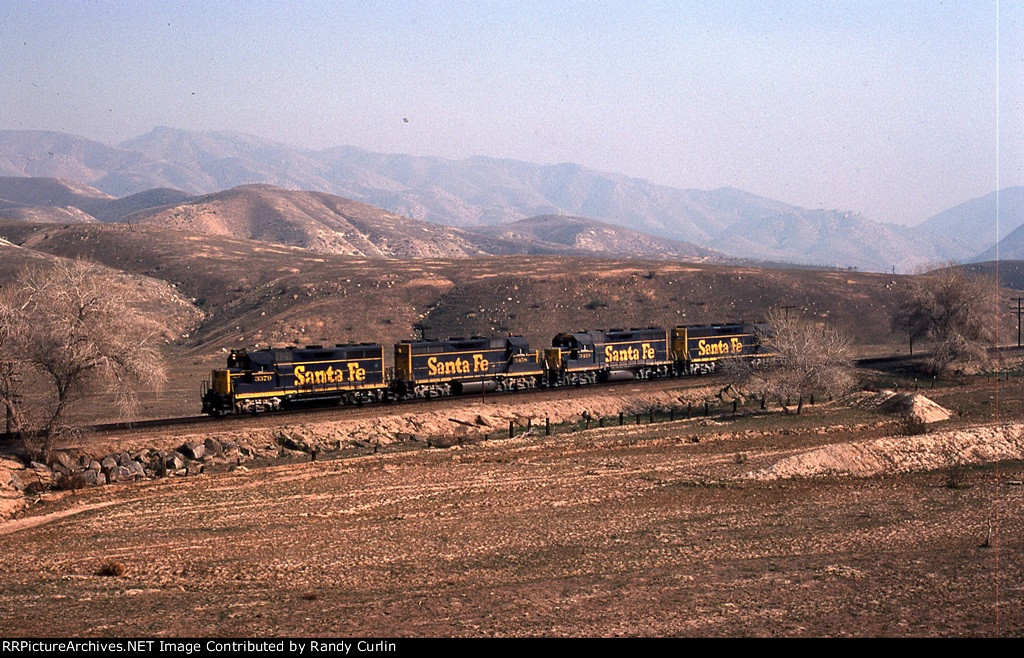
(888, 108)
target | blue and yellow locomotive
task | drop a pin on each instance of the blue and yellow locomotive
(270, 379)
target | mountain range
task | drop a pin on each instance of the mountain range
(175, 167)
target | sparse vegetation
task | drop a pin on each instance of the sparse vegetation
(66, 330)
(811, 358)
(956, 311)
(956, 477)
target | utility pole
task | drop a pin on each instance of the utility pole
(1019, 310)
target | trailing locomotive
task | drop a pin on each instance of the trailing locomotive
(430, 368)
(269, 379)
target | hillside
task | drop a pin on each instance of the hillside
(51, 192)
(1010, 273)
(474, 191)
(56, 199)
(559, 233)
(44, 214)
(253, 293)
(313, 220)
(158, 298)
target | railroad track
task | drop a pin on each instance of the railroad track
(311, 414)
(537, 395)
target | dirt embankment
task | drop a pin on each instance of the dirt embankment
(903, 454)
(468, 420)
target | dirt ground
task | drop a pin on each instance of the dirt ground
(638, 530)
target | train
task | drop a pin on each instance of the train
(261, 380)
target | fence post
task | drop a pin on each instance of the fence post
(511, 429)
(707, 408)
(689, 408)
(651, 417)
(622, 417)
(547, 426)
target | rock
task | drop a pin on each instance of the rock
(124, 459)
(483, 422)
(101, 479)
(38, 466)
(11, 464)
(16, 483)
(108, 463)
(59, 468)
(193, 450)
(137, 469)
(194, 469)
(291, 443)
(95, 466)
(89, 476)
(213, 447)
(176, 461)
(65, 460)
(84, 462)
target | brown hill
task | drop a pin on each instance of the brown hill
(51, 192)
(257, 293)
(561, 233)
(314, 220)
(44, 214)
(158, 298)
(55, 200)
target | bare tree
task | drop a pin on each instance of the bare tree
(810, 358)
(65, 331)
(956, 311)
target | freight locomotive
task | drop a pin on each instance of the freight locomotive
(269, 379)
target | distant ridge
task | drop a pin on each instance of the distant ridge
(488, 191)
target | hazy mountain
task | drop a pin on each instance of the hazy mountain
(965, 231)
(560, 234)
(488, 191)
(47, 154)
(828, 238)
(977, 222)
(1010, 248)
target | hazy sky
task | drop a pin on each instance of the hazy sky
(884, 107)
